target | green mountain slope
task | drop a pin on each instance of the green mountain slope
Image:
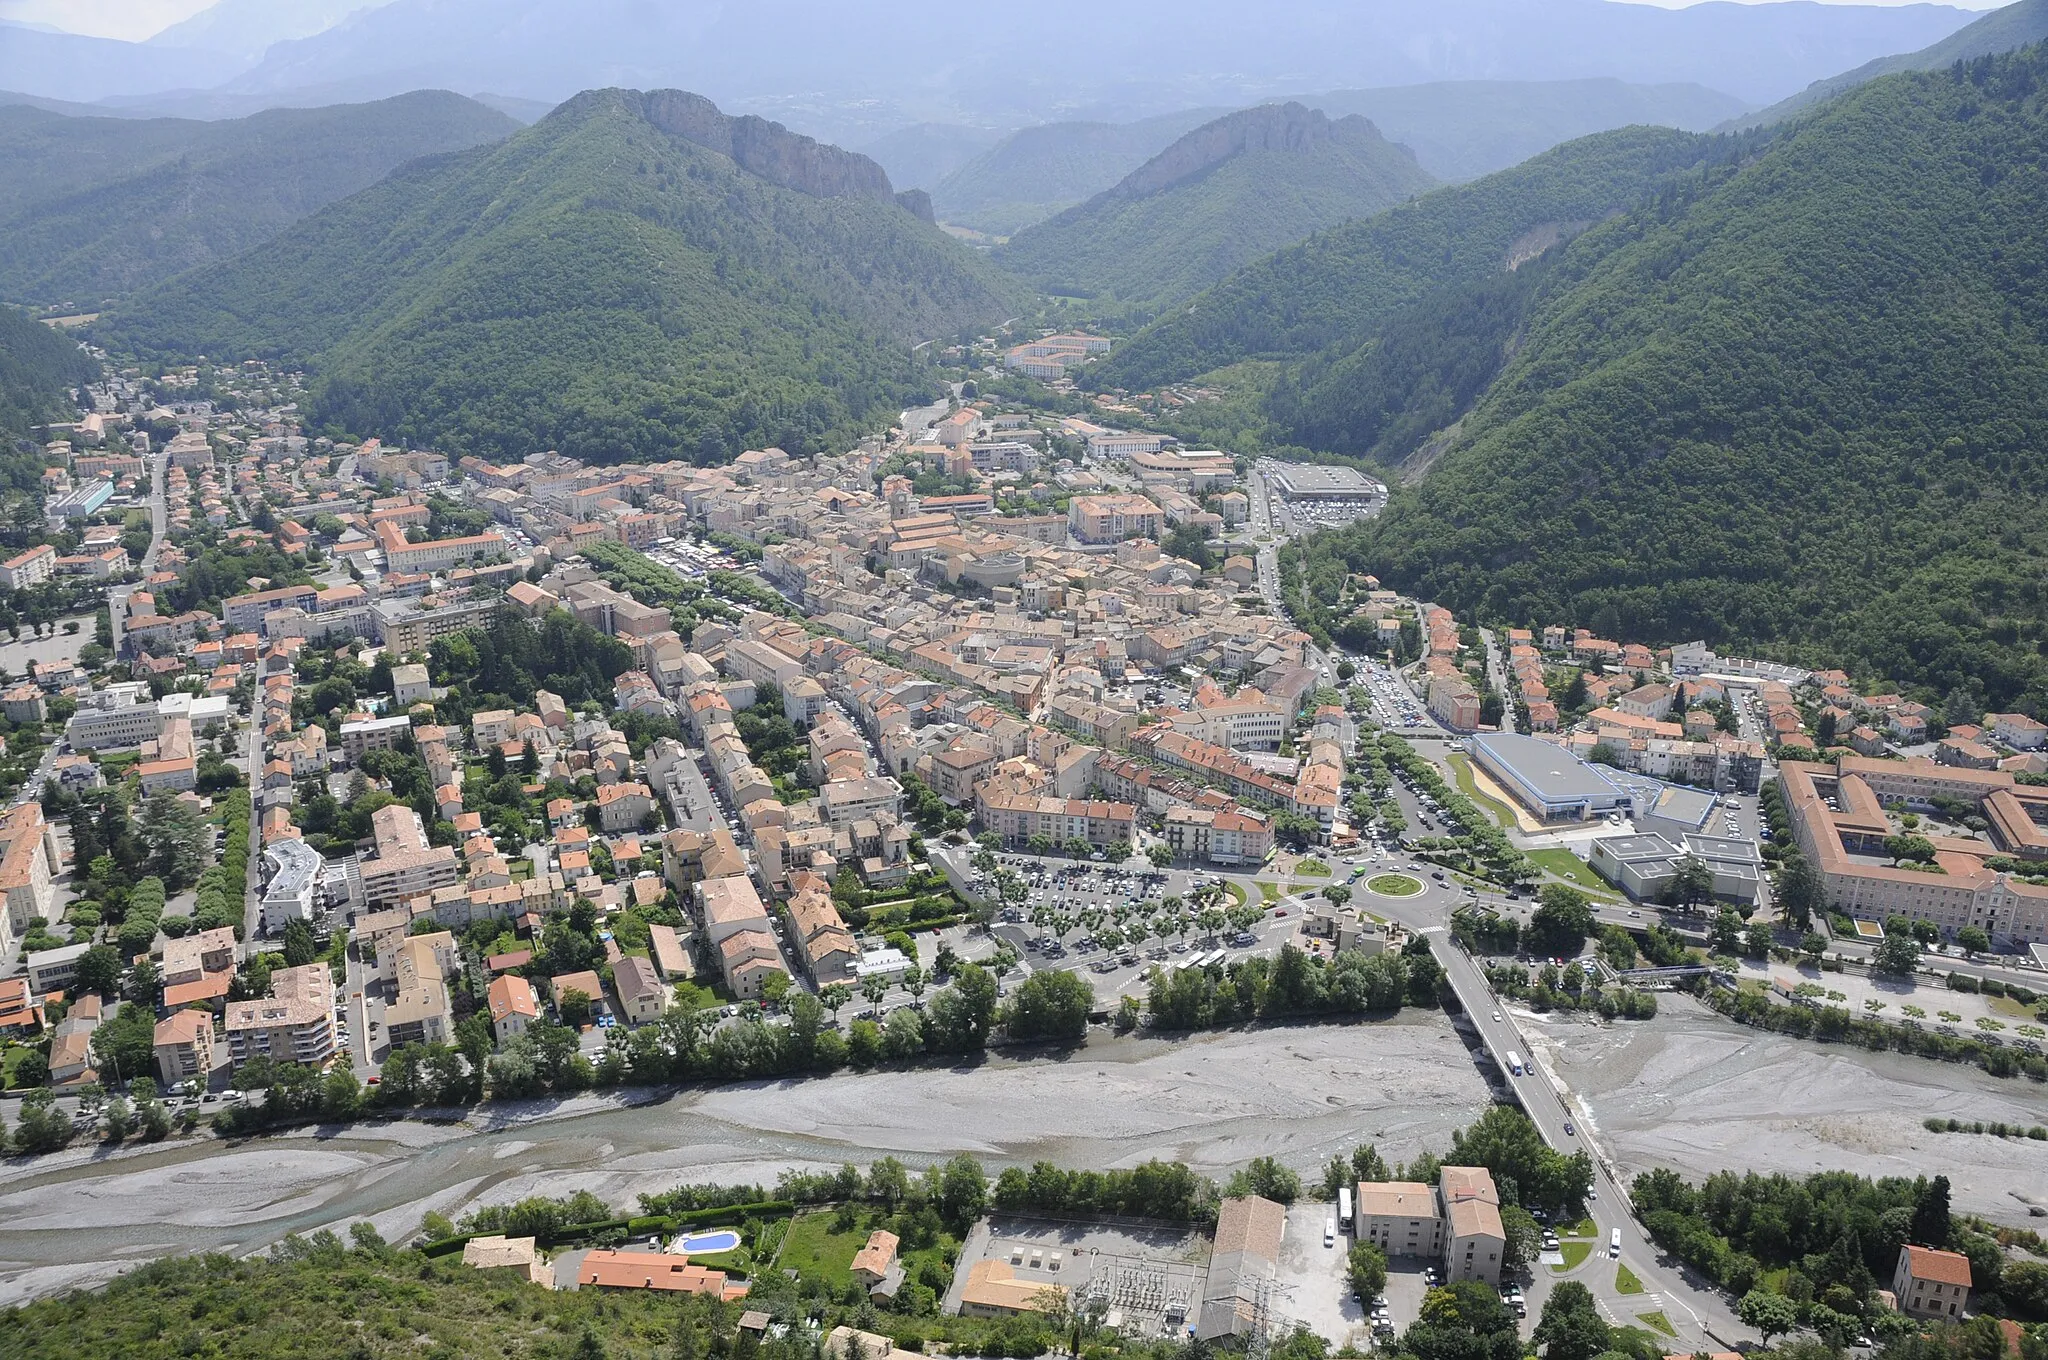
(1337, 288)
(1225, 194)
(2002, 30)
(1038, 172)
(635, 275)
(1462, 129)
(92, 208)
(37, 364)
(1799, 404)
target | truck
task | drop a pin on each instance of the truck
(1515, 1063)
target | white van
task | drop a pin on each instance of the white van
(1329, 1232)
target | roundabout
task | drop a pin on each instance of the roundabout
(1393, 885)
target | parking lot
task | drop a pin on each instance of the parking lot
(1312, 1285)
(1114, 922)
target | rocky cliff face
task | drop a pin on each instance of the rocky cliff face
(1270, 127)
(767, 149)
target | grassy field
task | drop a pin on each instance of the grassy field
(1393, 885)
(10, 1058)
(1575, 1254)
(1625, 1281)
(1269, 892)
(1561, 863)
(1461, 770)
(817, 1247)
(1236, 894)
(1583, 1228)
(1657, 1322)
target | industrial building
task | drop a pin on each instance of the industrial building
(1313, 481)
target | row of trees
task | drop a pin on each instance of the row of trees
(1293, 983)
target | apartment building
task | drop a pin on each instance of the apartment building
(740, 937)
(405, 866)
(1218, 836)
(1399, 1217)
(31, 568)
(1018, 817)
(295, 1023)
(1456, 1221)
(419, 1010)
(1475, 1243)
(1112, 519)
(27, 848)
(436, 554)
(184, 1047)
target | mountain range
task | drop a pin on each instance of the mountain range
(831, 69)
(92, 208)
(635, 276)
(1226, 193)
(1794, 396)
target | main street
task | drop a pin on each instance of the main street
(159, 519)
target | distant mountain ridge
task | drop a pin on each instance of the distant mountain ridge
(2018, 25)
(95, 208)
(1038, 172)
(1229, 191)
(1290, 127)
(1461, 130)
(830, 68)
(637, 275)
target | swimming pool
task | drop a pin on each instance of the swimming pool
(707, 1244)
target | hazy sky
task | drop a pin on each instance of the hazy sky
(137, 19)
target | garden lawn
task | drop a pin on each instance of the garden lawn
(1575, 1254)
(1562, 863)
(814, 1249)
(1625, 1281)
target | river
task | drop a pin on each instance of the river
(1215, 1102)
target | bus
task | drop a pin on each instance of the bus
(1614, 1245)
(1344, 1208)
(1515, 1063)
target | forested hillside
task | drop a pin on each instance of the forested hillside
(1220, 197)
(1800, 402)
(1337, 288)
(1039, 171)
(609, 282)
(93, 208)
(37, 364)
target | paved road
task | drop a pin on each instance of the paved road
(1691, 1309)
(1497, 672)
(117, 599)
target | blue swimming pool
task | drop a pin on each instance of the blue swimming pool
(706, 1244)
